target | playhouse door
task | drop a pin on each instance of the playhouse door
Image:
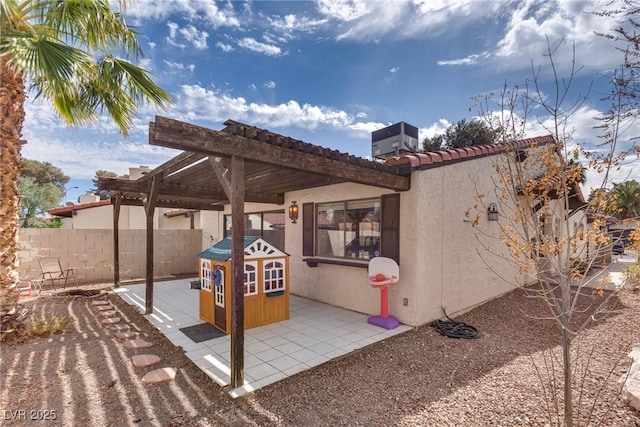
(219, 312)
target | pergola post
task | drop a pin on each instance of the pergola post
(117, 200)
(237, 265)
(149, 209)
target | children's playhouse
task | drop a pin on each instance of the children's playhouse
(266, 287)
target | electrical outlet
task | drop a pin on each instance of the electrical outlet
(405, 301)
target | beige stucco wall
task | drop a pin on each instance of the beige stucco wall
(90, 252)
(443, 262)
(131, 217)
(338, 285)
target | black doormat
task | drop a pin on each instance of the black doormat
(202, 332)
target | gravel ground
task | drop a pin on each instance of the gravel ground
(84, 376)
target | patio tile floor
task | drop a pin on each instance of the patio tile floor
(314, 334)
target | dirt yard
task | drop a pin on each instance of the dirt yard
(84, 376)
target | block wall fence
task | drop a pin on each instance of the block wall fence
(90, 252)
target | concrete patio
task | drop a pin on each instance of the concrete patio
(314, 334)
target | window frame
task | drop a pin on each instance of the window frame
(281, 278)
(354, 254)
(389, 233)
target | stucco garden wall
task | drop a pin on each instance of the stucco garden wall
(90, 252)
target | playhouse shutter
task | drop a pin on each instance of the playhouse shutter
(307, 229)
(390, 226)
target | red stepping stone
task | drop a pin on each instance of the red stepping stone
(140, 343)
(110, 320)
(118, 328)
(104, 307)
(109, 313)
(144, 360)
(162, 375)
(126, 335)
(100, 302)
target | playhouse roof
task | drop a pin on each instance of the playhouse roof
(254, 247)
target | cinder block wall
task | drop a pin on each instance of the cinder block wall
(90, 252)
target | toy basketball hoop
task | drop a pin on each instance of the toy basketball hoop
(383, 272)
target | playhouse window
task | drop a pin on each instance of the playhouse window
(206, 275)
(349, 229)
(273, 276)
(250, 278)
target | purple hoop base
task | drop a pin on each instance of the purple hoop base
(384, 322)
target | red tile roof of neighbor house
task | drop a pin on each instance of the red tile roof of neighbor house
(67, 211)
(442, 157)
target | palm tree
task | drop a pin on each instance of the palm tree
(627, 197)
(79, 55)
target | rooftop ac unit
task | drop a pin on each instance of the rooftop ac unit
(394, 140)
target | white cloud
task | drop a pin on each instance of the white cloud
(178, 66)
(200, 104)
(361, 115)
(194, 9)
(270, 84)
(252, 44)
(252, 86)
(225, 47)
(394, 70)
(290, 24)
(437, 128)
(197, 38)
(469, 60)
(343, 10)
(532, 23)
(371, 20)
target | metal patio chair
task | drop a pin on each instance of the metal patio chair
(52, 272)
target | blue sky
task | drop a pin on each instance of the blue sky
(329, 72)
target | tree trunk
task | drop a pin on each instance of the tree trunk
(12, 98)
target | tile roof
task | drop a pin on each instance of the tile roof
(442, 157)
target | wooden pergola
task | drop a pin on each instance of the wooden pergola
(237, 164)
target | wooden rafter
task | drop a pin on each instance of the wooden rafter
(182, 192)
(184, 136)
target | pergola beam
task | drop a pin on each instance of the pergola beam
(176, 134)
(182, 191)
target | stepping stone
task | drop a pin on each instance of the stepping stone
(110, 320)
(109, 313)
(104, 307)
(140, 343)
(162, 375)
(100, 302)
(144, 360)
(118, 328)
(126, 335)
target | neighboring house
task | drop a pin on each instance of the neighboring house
(92, 213)
(343, 222)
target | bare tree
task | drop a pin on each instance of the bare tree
(543, 219)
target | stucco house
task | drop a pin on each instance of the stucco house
(412, 207)
(92, 213)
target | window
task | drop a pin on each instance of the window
(348, 229)
(250, 278)
(206, 275)
(273, 273)
(268, 225)
(352, 230)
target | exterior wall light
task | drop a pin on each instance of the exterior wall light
(293, 212)
(492, 212)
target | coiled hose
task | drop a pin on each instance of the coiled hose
(452, 329)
